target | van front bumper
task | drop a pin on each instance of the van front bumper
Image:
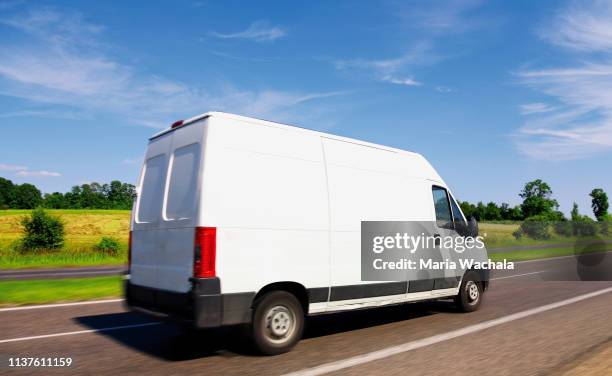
(203, 306)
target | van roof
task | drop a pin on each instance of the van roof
(280, 125)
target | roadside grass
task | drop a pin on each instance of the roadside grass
(498, 235)
(43, 291)
(534, 254)
(51, 259)
(83, 228)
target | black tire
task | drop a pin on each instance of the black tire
(470, 292)
(278, 323)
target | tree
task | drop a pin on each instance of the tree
(469, 210)
(582, 225)
(492, 212)
(515, 214)
(480, 211)
(27, 196)
(119, 195)
(537, 199)
(599, 203)
(7, 193)
(55, 200)
(575, 213)
(116, 195)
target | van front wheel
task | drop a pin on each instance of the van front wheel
(470, 293)
(278, 322)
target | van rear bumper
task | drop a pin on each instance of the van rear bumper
(203, 306)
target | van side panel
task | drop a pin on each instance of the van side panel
(265, 190)
(369, 184)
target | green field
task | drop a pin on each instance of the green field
(83, 229)
(42, 291)
(499, 235)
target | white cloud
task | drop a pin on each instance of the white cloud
(443, 89)
(580, 125)
(438, 16)
(63, 63)
(38, 174)
(23, 171)
(408, 81)
(259, 31)
(583, 26)
(390, 70)
(423, 23)
(535, 108)
(72, 115)
(132, 161)
(8, 167)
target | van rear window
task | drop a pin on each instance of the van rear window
(183, 183)
(149, 204)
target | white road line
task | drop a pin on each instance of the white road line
(60, 305)
(517, 275)
(80, 332)
(408, 346)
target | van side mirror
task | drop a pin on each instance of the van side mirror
(469, 229)
(472, 227)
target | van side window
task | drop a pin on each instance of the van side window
(149, 204)
(458, 217)
(183, 182)
(443, 210)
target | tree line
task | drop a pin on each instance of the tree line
(536, 195)
(114, 195)
(537, 204)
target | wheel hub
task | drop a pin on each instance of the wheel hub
(472, 291)
(279, 322)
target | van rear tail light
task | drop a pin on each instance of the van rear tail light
(176, 124)
(130, 252)
(205, 252)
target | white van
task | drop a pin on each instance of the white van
(245, 221)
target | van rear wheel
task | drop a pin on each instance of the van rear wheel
(470, 292)
(278, 322)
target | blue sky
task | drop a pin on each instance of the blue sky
(493, 93)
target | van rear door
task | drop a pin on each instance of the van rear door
(166, 210)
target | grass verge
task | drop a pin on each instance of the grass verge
(41, 291)
(534, 254)
(15, 260)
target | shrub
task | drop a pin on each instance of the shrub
(563, 228)
(108, 245)
(536, 227)
(604, 224)
(517, 234)
(42, 230)
(585, 226)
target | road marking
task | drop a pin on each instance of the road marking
(413, 345)
(518, 275)
(80, 332)
(60, 305)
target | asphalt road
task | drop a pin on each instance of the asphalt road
(527, 326)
